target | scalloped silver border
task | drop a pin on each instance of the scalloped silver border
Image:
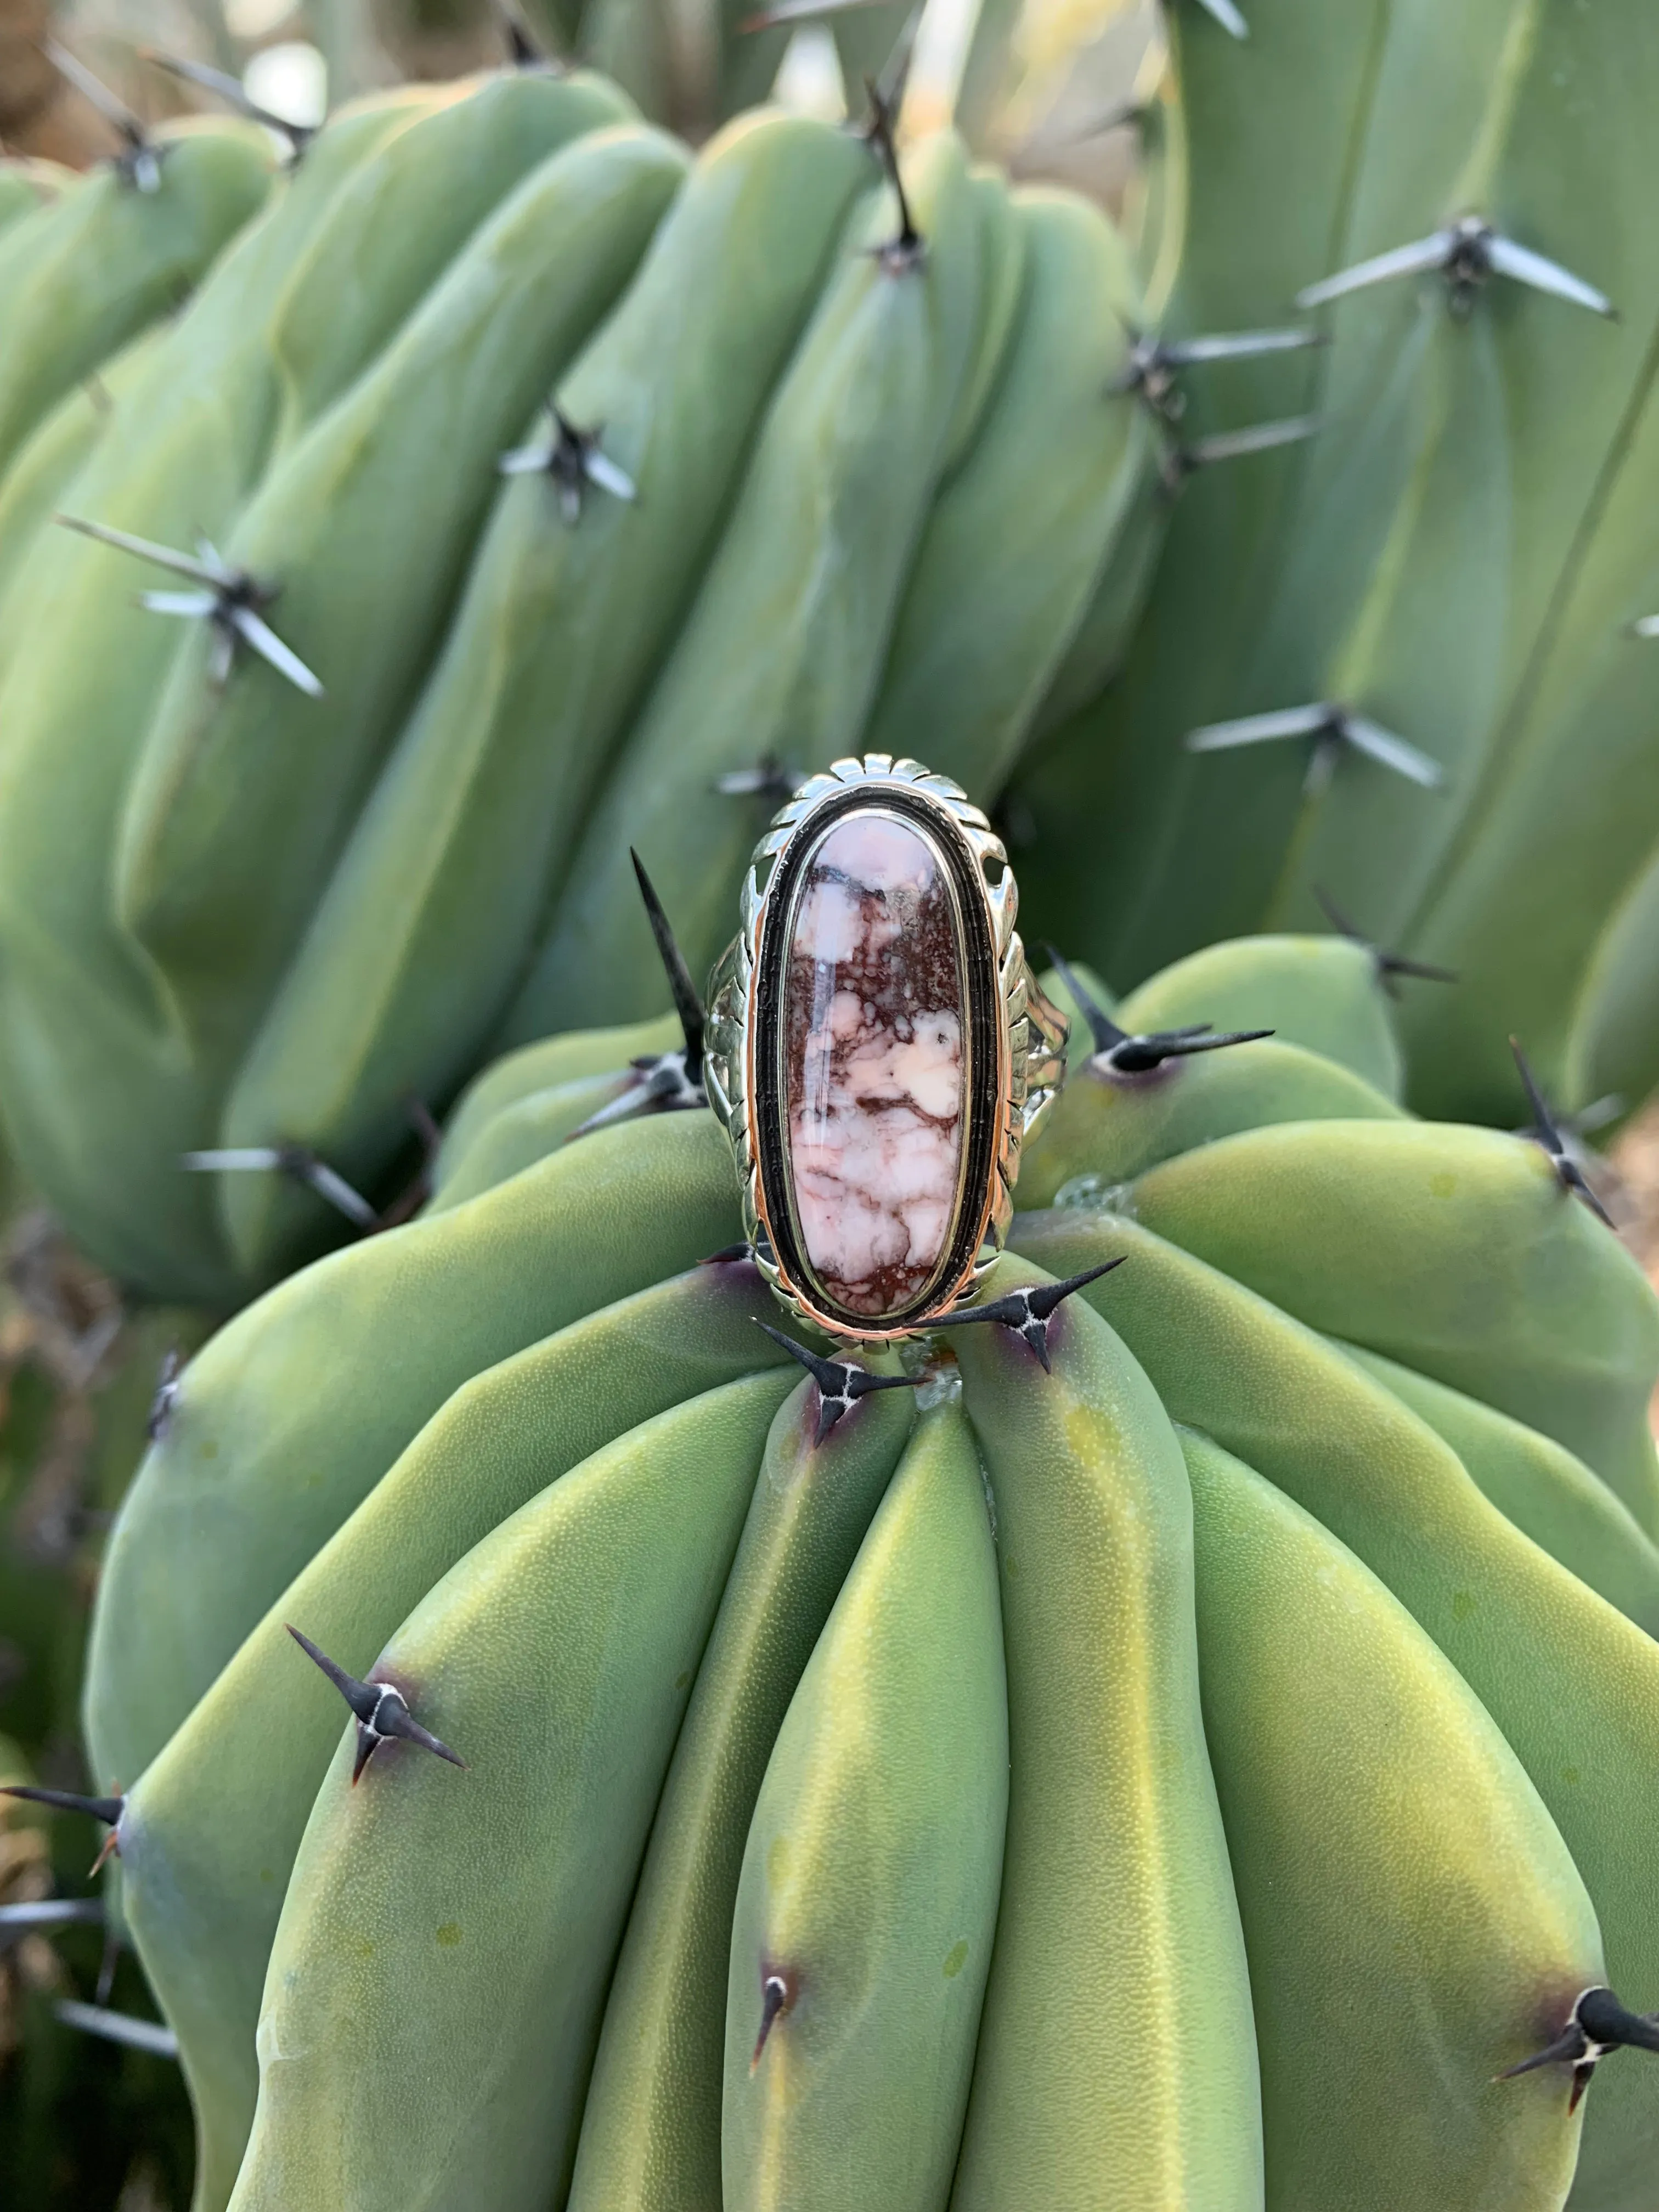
(1031, 1056)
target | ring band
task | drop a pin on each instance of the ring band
(878, 1049)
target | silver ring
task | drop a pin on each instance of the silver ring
(879, 1050)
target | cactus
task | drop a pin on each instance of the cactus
(1194, 1744)
(481, 557)
(1456, 559)
(90, 271)
(88, 265)
(302, 864)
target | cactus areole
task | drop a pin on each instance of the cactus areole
(628, 475)
(652, 1764)
(1149, 1701)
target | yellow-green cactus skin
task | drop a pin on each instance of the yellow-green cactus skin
(1186, 1752)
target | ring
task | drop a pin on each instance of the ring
(878, 1049)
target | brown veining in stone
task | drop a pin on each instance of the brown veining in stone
(874, 1064)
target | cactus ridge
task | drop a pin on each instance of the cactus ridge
(1442, 586)
(678, 418)
(1331, 1417)
(272, 915)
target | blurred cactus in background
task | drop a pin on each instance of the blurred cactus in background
(1394, 673)
(1408, 664)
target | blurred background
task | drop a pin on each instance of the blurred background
(1041, 83)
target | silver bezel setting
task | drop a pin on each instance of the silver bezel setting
(1031, 1034)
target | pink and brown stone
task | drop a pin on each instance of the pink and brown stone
(874, 1074)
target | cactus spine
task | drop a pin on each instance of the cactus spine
(693, 1926)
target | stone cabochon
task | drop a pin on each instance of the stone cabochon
(874, 1071)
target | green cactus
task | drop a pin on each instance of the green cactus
(1456, 558)
(84, 270)
(829, 423)
(90, 272)
(276, 887)
(27, 185)
(1319, 1639)
(1190, 1738)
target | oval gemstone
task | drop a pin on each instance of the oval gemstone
(875, 1075)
